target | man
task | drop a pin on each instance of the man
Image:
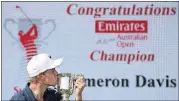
(43, 73)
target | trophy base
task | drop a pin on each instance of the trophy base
(65, 97)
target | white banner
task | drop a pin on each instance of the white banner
(125, 50)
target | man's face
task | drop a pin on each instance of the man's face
(50, 77)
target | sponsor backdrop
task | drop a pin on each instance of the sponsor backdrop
(126, 50)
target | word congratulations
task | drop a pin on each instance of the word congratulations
(97, 12)
(102, 56)
(140, 81)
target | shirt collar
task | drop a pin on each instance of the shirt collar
(29, 94)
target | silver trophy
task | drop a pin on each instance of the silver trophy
(65, 84)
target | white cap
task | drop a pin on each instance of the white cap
(42, 62)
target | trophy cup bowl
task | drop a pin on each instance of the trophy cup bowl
(65, 84)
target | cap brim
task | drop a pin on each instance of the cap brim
(56, 64)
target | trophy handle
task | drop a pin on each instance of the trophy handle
(74, 77)
(72, 85)
(5, 27)
(54, 27)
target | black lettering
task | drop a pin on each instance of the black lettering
(160, 83)
(138, 81)
(151, 83)
(90, 82)
(115, 84)
(107, 82)
(100, 82)
(173, 81)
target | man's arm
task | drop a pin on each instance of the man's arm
(78, 97)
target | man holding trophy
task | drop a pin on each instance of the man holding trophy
(44, 72)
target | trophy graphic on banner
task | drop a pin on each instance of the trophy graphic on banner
(29, 37)
(29, 34)
(65, 84)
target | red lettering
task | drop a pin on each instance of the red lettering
(173, 11)
(69, 8)
(92, 55)
(121, 10)
(17, 90)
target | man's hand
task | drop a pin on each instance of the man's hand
(79, 85)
